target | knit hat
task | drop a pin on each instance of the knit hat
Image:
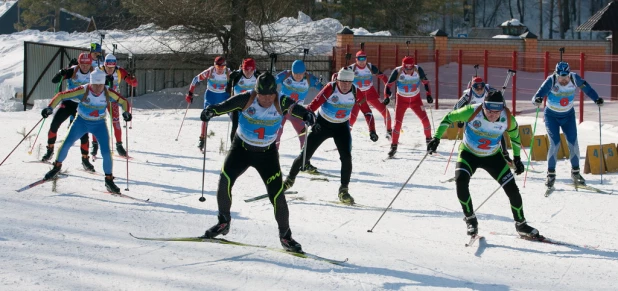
(97, 77)
(494, 101)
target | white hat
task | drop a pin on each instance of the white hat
(345, 74)
(97, 77)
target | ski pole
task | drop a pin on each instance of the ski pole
(111, 126)
(126, 137)
(183, 121)
(37, 137)
(202, 199)
(228, 132)
(22, 140)
(531, 145)
(402, 186)
(601, 145)
(452, 150)
(305, 148)
(431, 115)
(492, 194)
(296, 136)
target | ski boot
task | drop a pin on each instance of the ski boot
(54, 171)
(473, 225)
(109, 184)
(289, 244)
(309, 168)
(427, 140)
(49, 153)
(86, 164)
(389, 134)
(577, 178)
(288, 183)
(222, 227)
(551, 179)
(526, 231)
(95, 148)
(200, 145)
(344, 196)
(120, 150)
(393, 151)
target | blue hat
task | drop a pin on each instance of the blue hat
(563, 69)
(95, 47)
(298, 67)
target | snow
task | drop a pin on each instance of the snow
(5, 6)
(512, 22)
(77, 238)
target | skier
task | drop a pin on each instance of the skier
(261, 112)
(408, 77)
(241, 81)
(295, 83)
(115, 75)
(96, 54)
(217, 76)
(475, 94)
(76, 76)
(335, 103)
(480, 148)
(363, 73)
(93, 100)
(559, 113)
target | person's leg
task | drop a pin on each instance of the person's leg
(235, 164)
(116, 122)
(553, 132)
(465, 167)
(569, 127)
(400, 110)
(65, 111)
(280, 131)
(343, 141)
(299, 127)
(267, 165)
(417, 106)
(99, 130)
(78, 129)
(314, 140)
(374, 100)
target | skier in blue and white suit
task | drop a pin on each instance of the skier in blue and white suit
(559, 113)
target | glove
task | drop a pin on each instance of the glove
(73, 62)
(386, 101)
(309, 118)
(373, 136)
(429, 99)
(432, 146)
(599, 102)
(461, 124)
(131, 81)
(519, 166)
(47, 112)
(207, 114)
(127, 116)
(316, 128)
(189, 97)
(58, 77)
(538, 101)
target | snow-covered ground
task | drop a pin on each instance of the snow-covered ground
(77, 238)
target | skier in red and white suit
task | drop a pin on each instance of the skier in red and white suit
(408, 78)
(363, 73)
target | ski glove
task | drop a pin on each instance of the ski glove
(519, 166)
(207, 114)
(127, 116)
(538, 101)
(461, 124)
(189, 97)
(386, 100)
(73, 62)
(58, 77)
(429, 99)
(47, 112)
(432, 146)
(373, 136)
(309, 118)
(599, 102)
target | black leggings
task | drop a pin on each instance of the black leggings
(67, 109)
(266, 162)
(340, 132)
(496, 166)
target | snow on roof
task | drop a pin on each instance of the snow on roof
(512, 22)
(5, 6)
(75, 14)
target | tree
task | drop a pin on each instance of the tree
(36, 13)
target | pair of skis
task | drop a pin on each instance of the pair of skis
(540, 238)
(301, 254)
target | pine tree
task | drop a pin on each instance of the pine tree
(46, 14)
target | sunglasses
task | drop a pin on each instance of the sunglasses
(478, 86)
(362, 58)
(345, 81)
(493, 107)
(219, 66)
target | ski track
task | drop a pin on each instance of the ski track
(76, 239)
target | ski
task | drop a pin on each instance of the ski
(121, 195)
(549, 191)
(318, 173)
(319, 179)
(38, 162)
(449, 180)
(590, 188)
(42, 181)
(473, 239)
(543, 239)
(234, 243)
(89, 172)
(266, 196)
(353, 204)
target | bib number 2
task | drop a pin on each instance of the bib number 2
(484, 144)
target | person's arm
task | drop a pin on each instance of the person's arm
(322, 97)
(513, 133)
(425, 82)
(543, 90)
(391, 81)
(378, 73)
(199, 78)
(231, 82)
(124, 75)
(63, 74)
(585, 87)
(461, 114)
(74, 94)
(315, 82)
(464, 100)
(234, 103)
(116, 97)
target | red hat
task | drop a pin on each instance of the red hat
(477, 80)
(248, 64)
(361, 53)
(84, 58)
(408, 62)
(477, 83)
(220, 61)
